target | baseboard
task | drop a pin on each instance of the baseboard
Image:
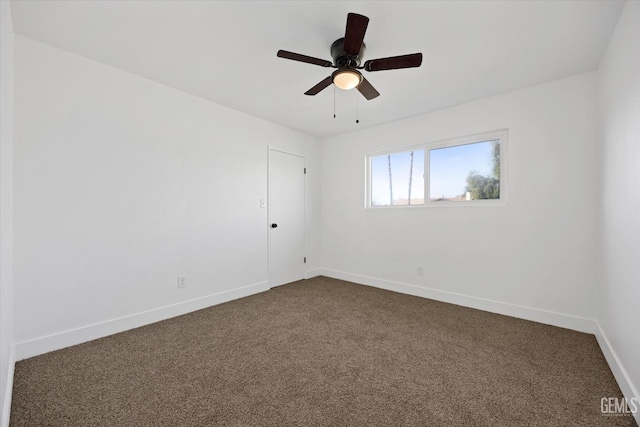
(68, 338)
(313, 273)
(627, 387)
(575, 323)
(6, 405)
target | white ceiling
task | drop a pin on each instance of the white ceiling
(226, 51)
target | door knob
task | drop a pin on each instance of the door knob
(274, 225)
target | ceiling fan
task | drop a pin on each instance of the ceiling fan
(347, 54)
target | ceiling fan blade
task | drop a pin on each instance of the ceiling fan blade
(354, 35)
(366, 89)
(317, 88)
(394, 62)
(304, 58)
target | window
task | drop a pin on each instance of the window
(468, 170)
(398, 179)
(465, 172)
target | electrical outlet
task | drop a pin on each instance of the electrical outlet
(182, 281)
(420, 270)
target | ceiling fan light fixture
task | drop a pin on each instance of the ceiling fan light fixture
(347, 79)
(347, 53)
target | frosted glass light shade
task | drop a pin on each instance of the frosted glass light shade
(347, 79)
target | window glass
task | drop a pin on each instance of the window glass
(465, 172)
(398, 178)
(470, 170)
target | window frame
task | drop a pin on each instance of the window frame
(502, 135)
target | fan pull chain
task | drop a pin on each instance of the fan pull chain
(334, 101)
(357, 109)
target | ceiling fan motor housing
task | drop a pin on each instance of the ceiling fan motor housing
(341, 59)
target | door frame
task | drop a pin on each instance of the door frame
(270, 149)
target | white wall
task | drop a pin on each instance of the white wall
(6, 210)
(533, 258)
(619, 299)
(121, 185)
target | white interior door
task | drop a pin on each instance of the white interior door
(286, 217)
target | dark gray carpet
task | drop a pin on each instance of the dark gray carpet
(323, 352)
